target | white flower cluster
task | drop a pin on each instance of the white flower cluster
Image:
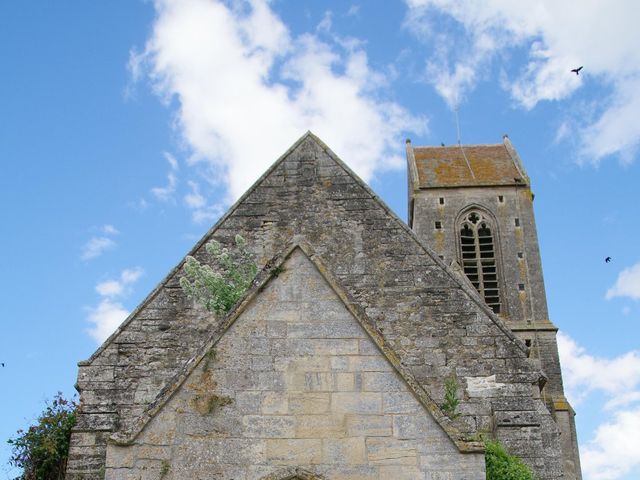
(220, 286)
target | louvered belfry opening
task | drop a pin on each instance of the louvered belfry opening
(479, 257)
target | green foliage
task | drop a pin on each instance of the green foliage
(451, 401)
(277, 271)
(502, 466)
(219, 288)
(164, 468)
(41, 451)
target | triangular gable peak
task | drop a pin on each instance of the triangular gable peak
(350, 180)
(266, 276)
(436, 325)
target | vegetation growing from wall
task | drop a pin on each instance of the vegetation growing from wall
(451, 402)
(41, 451)
(502, 466)
(218, 288)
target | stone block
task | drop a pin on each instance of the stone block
(357, 402)
(309, 402)
(401, 402)
(401, 473)
(391, 451)
(275, 403)
(321, 426)
(383, 382)
(344, 451)
(369, 425)
(269, 426)
(294, 451)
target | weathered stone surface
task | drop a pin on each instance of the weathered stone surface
(431, 321)
(502, 192)
(270, 425)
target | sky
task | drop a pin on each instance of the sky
(128, 128)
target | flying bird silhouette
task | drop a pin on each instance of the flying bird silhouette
(576, 70)
(607, 260)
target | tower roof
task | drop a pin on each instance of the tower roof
(465, 166)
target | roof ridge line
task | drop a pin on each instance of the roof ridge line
(457, 145)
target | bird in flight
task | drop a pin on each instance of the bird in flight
(576, 70)
(607, 260)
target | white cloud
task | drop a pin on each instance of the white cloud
(106, 317)
(326, 23)
(131, 275)
(563, 132)
(140, 205)
(173, 163)
(96, 246)
(110, 230)
(201, 211)
(110, 288)
(617, 130)
(614, 450)
(627, 284)
(194, 199)
(557, 36)
(108, 314)
(247, 89)
(114, 288)
(207, 214)
(622, 400)
(165, 193)
(354, 10)
(584, 373)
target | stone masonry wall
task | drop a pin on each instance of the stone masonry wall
(436, 325)
(295, 382)
(524, 306)
(517, 246)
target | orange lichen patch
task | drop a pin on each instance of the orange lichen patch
(439, 241)
(447, 167)
(523, 268)
(561, 404)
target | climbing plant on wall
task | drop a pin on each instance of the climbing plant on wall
(501, 465)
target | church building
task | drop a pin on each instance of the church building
(365, 348)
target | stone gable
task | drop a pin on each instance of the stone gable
(294, 382)
(433, 323)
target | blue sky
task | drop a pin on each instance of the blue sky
(128, 127)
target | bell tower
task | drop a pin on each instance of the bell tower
(473, 205)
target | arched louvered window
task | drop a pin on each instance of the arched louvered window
(478, 256)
